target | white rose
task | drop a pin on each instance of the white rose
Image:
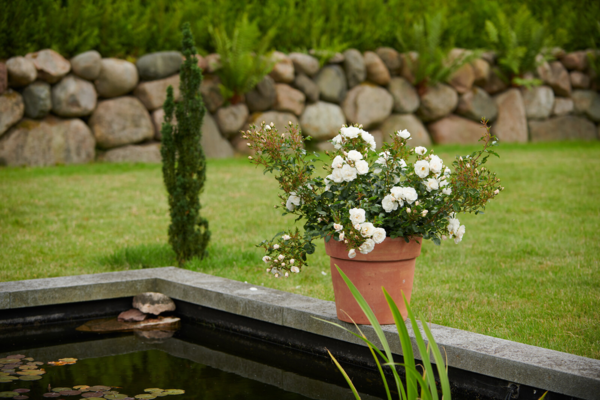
(267, 127)
(444, 182)
(337, 176)
(341, 237)
(367, 229)
(404, 134)
(348, 173)
(338, 227)
(447, 191)
(402, 164)
(338, 162)
(350, 132)
(281, 257)
(292, 261)
(389, 204)
(367, 246)
(362, 167)
(379, 235)
(352, 253)
(447, 171)
(435, 164)
(424, 213)
(422, 168)
(367, 137)
(295, 270)
(397, 192)
(275, 246)
(432, 184)
(327, 181)
(453, 225)
(337, 142)
(293, 201)
(420, 150)
(357, 215)
(354, 155)
(409, 194)
(266, 259)
(459, 234)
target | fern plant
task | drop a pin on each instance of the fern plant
(245, 59)
(433, 64)
(518, 41)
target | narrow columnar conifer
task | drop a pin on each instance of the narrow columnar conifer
(184, 162)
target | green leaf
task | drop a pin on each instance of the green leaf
(345, 376)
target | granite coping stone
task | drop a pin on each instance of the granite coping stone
(515, 362)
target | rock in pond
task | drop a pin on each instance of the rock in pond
(153, 303)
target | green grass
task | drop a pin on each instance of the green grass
(527, 270)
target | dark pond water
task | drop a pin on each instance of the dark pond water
(131, 374)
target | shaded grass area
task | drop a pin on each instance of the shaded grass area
(527, 270)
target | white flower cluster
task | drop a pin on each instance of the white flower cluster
(352, 132)
(293, 201)
(346, 169)
(397, 198)
(280, 261)
(367, 230)
(455, 229)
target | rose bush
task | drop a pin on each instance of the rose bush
(367, 195)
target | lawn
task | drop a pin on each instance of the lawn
(527, 270)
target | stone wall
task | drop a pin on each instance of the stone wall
(56, 111)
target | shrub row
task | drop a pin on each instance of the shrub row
(135, 27)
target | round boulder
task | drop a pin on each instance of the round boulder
(38, 99)
(121, 121)
(354, 65)
(322, 121)
(406, 98)
(305, 64)
(368, 105)
(231, 119)
(153, 303)
(159, 65)
(73, 97)
(377, 72)
(439, 101)
(262, 97)
(475, 104)
(11, 110)
(538, 102)
(51, 66)
(117, 77)
(21, 71)
(87, 65)
(332, 84)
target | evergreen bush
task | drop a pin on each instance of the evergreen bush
(184, 163)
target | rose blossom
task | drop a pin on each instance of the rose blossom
(266, 259)
(275, 246)
(337, 142)
(357, 215)
(338, 162)
(409, 194)
(447, 191)
(367, 229)
(280, 257)
(293, 201)
(354, 155)
(379, 235)
(389, 204)
(286, 237)
(404, 134)
(338, 227)
(435, 164)
(341, 237)
(362, 167)
(453, 225)
(337, 176)
(432, 184)
(349, 173)
(352, 253)
(295, 270)
(459, 234)
(422, 168)
(350, 132)
(420, 150)
(367, 246)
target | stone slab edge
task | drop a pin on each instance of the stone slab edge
(515, 362)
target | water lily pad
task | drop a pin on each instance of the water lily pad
(18, 356)
(56, 363)
(109, 392)
(92, 394)
(145, 396)
(51, 394)
(4, 374)
(13, 365)
(150, 390)
(21, 397)
(22, 390)
(70, 392)
(99, 388)
(115, 396)
(30, 377)
(81, 387)
(7, 360)
(61, 389)
(32, 372)
(28, 359)
(8, 394)
(175, 391)
(28, 367)
(68, 360)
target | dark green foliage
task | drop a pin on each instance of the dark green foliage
(184, 163)
(244, 57)
(135, 27)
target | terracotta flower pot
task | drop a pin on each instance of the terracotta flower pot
(391, 265)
